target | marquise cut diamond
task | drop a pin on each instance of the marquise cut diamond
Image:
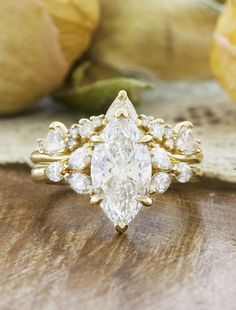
(121, 170)
(79, 159)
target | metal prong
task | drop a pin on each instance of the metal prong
(97, 139)
(145, 200)
(60, 125)
(138, 122)
(95, 199)
(197, 171)
(121, 228)
(179, 126)
(121, 113)
(122, 95)
(145, 139)
(152, 190)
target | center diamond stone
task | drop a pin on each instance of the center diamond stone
(121, 170)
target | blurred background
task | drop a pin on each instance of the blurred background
(66, 59)
(63, 59)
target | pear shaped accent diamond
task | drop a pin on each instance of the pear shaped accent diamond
(54, 142)
(186, 142)
(121, 104)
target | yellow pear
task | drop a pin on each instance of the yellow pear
(169, 39)
(223, 55)
(38, 45)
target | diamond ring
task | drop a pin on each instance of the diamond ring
(120, 159)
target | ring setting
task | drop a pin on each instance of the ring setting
(120, 159)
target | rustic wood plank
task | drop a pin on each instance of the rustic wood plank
(57, 252)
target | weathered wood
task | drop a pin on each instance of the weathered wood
(57, 252)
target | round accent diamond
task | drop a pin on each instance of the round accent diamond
(161, 181)
(157, 129)
(86, 129)
(79, 159)
(54, 172)
(168, 132)
(97, 121)
(161, 159)
(79, 182)
(184, 173)
(169, 143)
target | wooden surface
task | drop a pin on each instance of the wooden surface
(57, 252)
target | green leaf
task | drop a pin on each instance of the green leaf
(97, 96)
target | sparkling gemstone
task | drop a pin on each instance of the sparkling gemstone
(161, 158)
(73, 136)
(169, 143)
(186, 142)
(79, 159)
(146, 122)
(184, 172)
(74, 131)
(71, 142)
(86, 129)
(54, 141)
(117, 104)
(54, 172)
(79, 182)
(157, 130)
(168, 132)
(161, 181)
(97, 121)
(121, 170)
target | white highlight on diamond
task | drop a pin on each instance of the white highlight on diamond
(146, 122)
(157, 129)
(120, 104)
(168, 132)
(54, 142)
(86, 129)
(186, 142)
(54, 172)
(121, 170)
(161, 181)
(97, 121)
(79, 182)
(184, 172)
(169, 143)
(79, 159)
(161, 159)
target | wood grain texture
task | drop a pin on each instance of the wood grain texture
(57, 252)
